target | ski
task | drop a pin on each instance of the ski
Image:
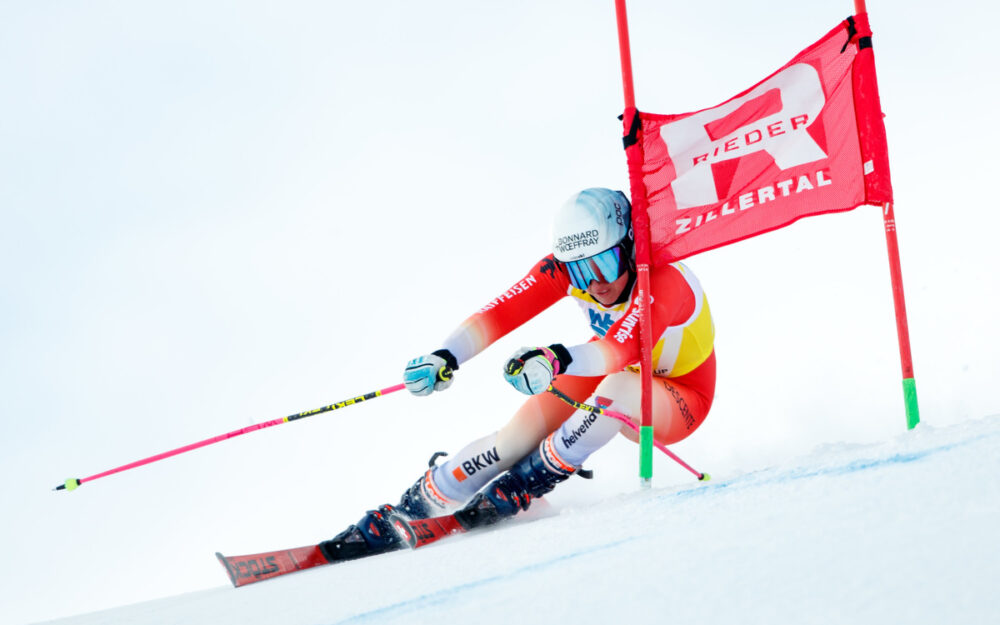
(258, 567)
(423, 532)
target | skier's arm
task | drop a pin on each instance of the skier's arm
(673, 302)
(543, 286)
(530, 369)
(618, 349)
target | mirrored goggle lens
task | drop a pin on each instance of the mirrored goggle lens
(603, 267)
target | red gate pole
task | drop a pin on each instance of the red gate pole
(640, 225)
(902, 328)
(625, 53)
(898, 300)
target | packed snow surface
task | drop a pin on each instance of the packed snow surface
(902, 531)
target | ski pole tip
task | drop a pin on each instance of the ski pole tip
(704, 477)
(70, 484)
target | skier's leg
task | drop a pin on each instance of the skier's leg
(531, 476)
(680, 405)
(678, 409)
(540, 415)
(557, 457)
(447, 486)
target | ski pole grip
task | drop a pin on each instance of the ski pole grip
(514, 366)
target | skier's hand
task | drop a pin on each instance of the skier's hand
(433, 372)
(531, 369)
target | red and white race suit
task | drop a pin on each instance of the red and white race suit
(606, 367)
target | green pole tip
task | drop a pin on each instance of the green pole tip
(646, 454)
(910, 402)
(704, 477)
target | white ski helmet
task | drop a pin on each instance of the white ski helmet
(592, 237)
(591, 222)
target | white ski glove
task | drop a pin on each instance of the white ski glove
(433, 372)
(531, 369)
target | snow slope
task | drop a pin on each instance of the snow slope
(899, 531)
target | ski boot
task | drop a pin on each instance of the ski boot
(513, 491)
(372, 535)
(423, 500)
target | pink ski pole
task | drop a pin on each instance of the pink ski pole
(704, 477)
(73, 484)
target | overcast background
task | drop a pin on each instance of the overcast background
(215, 214)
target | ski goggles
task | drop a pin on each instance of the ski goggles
(604, 267)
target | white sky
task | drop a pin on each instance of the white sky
(219, 214)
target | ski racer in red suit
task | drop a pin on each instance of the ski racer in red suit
(548, 440)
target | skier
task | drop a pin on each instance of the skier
(547, 440)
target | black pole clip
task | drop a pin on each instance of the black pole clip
(633, 132)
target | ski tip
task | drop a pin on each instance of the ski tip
(229, 570)
(70, 484)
